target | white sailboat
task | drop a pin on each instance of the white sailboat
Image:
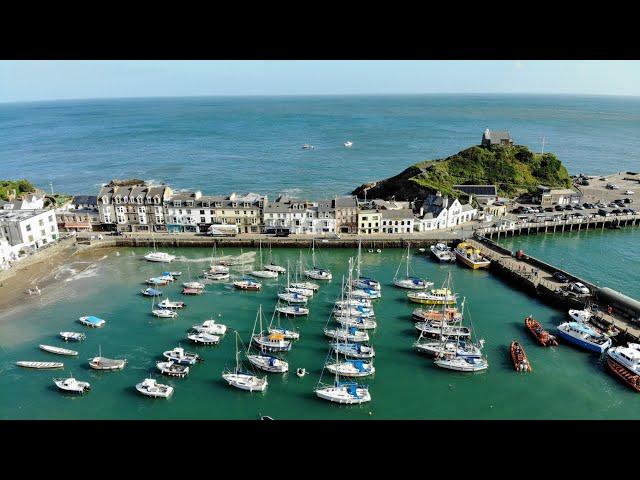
(410, 282)
(241, 379)
(268, 363)
(156, 256)
(364, 282)
(269, 342)
(317, 273)
(272, 266)
(349, 393)
(287, 333)
(162, 312)
(103, 363)
(262, 273)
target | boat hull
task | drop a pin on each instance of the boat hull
(474, 265)
(624, 374)
(245, 382)
(340, 395)
(584, 344)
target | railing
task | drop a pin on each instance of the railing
(558, 223)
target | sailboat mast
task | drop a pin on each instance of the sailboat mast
(408, 244)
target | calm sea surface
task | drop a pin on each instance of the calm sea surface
(223, 144)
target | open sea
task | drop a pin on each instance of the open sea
(220, 145)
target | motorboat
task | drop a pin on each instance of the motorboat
(519, 357)
(306, 146)
(58, 350)
(439, 296)
(164, 313)
(292, 310)
(247, 284)
(583, 316)
(354, 350)
(348, 144)
(584, 336)
(166, 303)
(544, 338)
(269, 363)
(157, 281)
(350, 334)
(462, 363)
(179, 356)
(151, 292)
(161, 257)
(72, 385)
(290, 297)
(352, 368)
(173, 369)
(72, 336)
(91, 321)
(40, 365)
(204, 338)
(470, 256)
(211, 327)
(442, 253)
(625, 363)
(450, 314)
(361, 323)
(349, 393)
(150, 388)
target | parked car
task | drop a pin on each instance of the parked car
(560, 277)
(548, 209)
(568, 207)
(628, 192)
(579, 207)
(631, 211)
(579, 287)
(558, 208)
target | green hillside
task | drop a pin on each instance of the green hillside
(513, 169)
(20, 186)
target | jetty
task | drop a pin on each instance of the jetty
(613, 311)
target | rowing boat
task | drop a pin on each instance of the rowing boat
(58, 350)
(40, 365)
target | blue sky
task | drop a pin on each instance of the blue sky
(53, 80)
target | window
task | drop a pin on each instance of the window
(41, 222)
(237, 212)
(28, 228)
(202, 213)
(177, 203)
(30, 238)
(50, 218)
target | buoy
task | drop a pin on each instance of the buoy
(301, 372)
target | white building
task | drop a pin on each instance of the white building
(8, 254)
(28, 230)
(27, 201)
(300, 216)
(397, 221)
(438, 212)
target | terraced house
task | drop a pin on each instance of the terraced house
(133, 208)
(194, 212)
(300, 216)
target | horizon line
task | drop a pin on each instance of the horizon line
(312, 95)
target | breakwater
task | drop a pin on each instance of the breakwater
(613, 311)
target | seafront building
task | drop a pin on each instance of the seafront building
(397, 220)
(369, 221)
(197, 213)
(27, 230)
(300, 216)
(439, 212)
(79, 215)
(133, 208)
(346, 214)
(27, 201)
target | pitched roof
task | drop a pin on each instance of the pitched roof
(484, 190)
(402, 213)
(85, 200)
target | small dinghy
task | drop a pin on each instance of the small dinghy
(168, 304)
(301, 372)
(72, 385)
(211, 327)
(179, 356)
(269, 363)
(91, 321)
(164, 313)
(150, 388)
(40, 365)
(58, 350)
(172, 369)
(72, 336)
(151, 292)
(204, 338)
(519, 358)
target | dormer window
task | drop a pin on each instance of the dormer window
(177, 203)
(189, 203)
(140, 199)
(105, 200)
(218, 204)
(118, 199)
(156, 199)
(148, 199)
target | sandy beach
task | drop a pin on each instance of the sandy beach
(47, 269)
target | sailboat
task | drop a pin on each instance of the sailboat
(242, 379)
(163, 312)
(156, 256)
(286, 333)
(268, 363)
(459, 359)
(262, 273)
(191, 284)
(269, 342)
(305, 285)
(410, 282)
(272, 266)
(350, 393)
(216, 271)
(293, 298)
(364, 282)
(317, 273)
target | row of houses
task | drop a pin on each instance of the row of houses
(143, 208)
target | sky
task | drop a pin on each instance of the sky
(35, 80)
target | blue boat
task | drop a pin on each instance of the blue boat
(91, 321)
(354, 350)
(151, 292)
(584, 336)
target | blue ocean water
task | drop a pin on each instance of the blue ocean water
(220, 145)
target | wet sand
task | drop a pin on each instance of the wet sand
(47, 272)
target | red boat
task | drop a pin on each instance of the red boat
(519, 358)
(540, 333)
(629, 378)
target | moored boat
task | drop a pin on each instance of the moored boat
(363, 323)
(179, 356)
(439, 296)
(242, 379)
(471, 257)
(72, 385)
(40, 365)
(445, 345)
(462, 363)
(58, 350)
(269, 363)
(519, 357)
(544, 338)
(409, 282)
(160, 257)
(439, 327)
(164, 313)
(91, 321)
(166, 303)
(581, 315)
(354, 350)
(295, 298)
(210, 326)
(307, 285)
(352, 368)
(173, 369)
(103, 363)
(72, 336)
(247, 284)
(584, 336)
(350, 334)
(150, 388)
(625, 363)
(151, 292)
(292, 310)
(442, 253)
(204, 338)
(449, 314)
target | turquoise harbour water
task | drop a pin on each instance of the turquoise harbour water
(220, 145)
(566, 383)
